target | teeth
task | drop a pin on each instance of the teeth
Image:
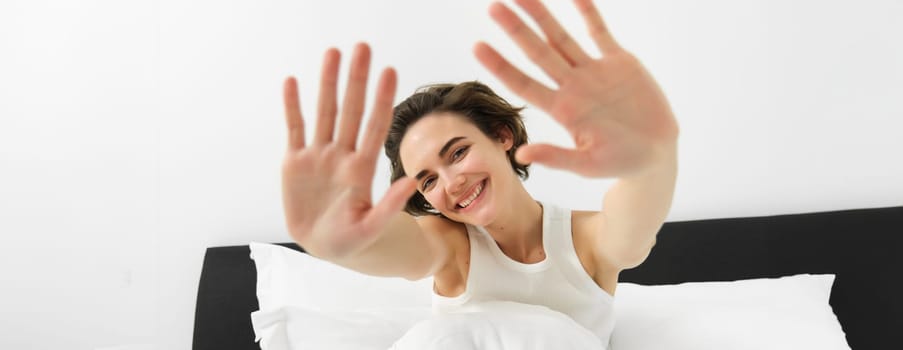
(470, 199)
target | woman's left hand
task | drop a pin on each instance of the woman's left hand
(615, 111)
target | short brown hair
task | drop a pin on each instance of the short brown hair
(473, 100)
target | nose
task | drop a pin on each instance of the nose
(455, 185)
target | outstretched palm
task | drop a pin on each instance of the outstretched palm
(612, 107)
(326, 185)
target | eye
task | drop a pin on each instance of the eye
(427, 183)
(459, 152)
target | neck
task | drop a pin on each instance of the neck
(518, 227)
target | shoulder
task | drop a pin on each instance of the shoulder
(453, 233)
(586, 223)
(450, 279)
(587, 227)
(441, 226)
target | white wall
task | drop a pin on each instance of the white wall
(133, 135)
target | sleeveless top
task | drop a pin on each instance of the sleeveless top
(559, 282)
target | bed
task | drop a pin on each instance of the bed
(862, 247)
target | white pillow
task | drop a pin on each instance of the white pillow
(783, 313)
(496, 325)
(500, 325)
(286, 277)
(297, 328)
(308, 303)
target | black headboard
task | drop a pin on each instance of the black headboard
(863, 247)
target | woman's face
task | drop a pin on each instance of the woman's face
(460, 171)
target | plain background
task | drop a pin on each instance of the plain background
(134, 134)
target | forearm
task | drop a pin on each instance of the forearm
(403, 249)
(636, 206)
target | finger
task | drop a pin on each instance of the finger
(293, 119)
(392, 202)
(326, 105)
(536, 49)
(560, 40)
(355, 93)
(518, 82)
(548, 155)
(597, 28)
(381, 117)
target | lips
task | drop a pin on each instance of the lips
(474, 195)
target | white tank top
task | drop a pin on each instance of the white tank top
(559, 282)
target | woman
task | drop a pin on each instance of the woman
(484, 237)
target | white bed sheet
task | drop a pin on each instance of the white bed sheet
(499, 325)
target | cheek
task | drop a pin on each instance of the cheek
(489, 163)
(474, 163)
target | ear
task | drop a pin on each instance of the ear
(505, 137)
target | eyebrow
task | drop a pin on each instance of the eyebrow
(442, 152)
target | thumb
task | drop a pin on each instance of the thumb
(392, 202)
(548, 155)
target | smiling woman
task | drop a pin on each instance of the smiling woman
(132, 149)
(458, 154)
(480, 107)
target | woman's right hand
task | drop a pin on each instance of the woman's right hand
(326, 185)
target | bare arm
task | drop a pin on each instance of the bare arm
(619, 118)
(635, 208)
(404, 250)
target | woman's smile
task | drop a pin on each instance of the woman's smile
(470, 202)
